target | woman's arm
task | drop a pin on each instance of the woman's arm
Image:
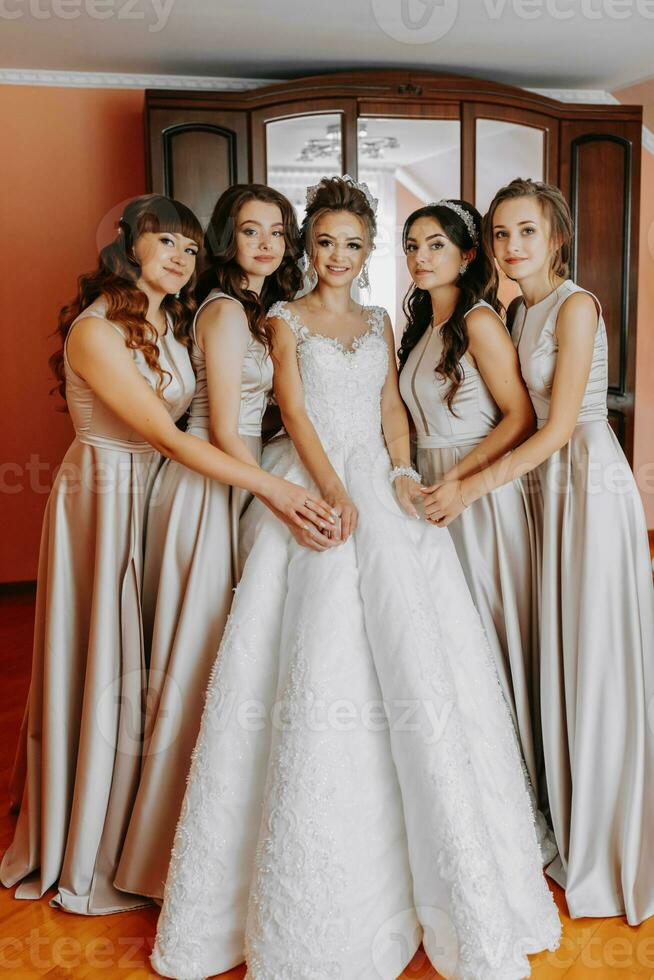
(289, 393)
(575, 330)
(395, 426)
(497, 361)
(223, 334)
(97, 353)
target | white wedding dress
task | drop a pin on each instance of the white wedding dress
(356, 786)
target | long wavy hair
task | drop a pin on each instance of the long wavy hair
(556, 211)
(222, 270)
(115, 280)
(474, 285)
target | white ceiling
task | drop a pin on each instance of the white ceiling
(541, 43)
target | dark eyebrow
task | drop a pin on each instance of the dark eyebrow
(528, 221)
(437, 234)
(324, 234)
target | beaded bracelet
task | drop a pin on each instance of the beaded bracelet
(404, 471)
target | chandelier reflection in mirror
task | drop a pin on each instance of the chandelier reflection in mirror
(329, 145)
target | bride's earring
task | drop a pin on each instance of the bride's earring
(177, 294)
(462, 268)
(310, 273)
(363, 279)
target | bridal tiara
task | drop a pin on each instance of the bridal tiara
(465, 216)
(360, 186)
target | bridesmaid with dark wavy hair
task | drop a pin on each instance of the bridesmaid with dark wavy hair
(192, 549)
(124, 370)
(460, 379)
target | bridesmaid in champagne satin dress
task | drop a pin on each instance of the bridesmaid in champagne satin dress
(192, 545)
(592, 560)
(492, 537)
(127, 376)
(597, 638)
(80, 745)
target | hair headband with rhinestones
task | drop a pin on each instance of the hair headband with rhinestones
(465, 216)
(360, 186)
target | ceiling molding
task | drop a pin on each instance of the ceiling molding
(92, 79)
(593, 96)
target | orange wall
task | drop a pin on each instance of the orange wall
(70, 159)
(643, 94)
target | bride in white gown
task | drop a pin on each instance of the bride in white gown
(356, 786)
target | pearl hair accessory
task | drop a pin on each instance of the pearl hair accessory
(361, 186)
(404, 471)
(465, 216)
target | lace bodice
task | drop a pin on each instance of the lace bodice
(342, 386)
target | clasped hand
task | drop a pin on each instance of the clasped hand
(442, 502)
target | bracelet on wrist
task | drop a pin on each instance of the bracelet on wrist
(404, 471)
(461, 497)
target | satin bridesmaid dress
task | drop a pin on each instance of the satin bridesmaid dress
(80, 746)
(493, 537)
(597, 639)
(191, 570)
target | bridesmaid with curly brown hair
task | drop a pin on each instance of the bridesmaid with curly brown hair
(125, 372)
(192, 549)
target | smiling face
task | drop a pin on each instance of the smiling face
(340, 247)
(522, 239)
(260, 241)
(167, 260)
(432, 258)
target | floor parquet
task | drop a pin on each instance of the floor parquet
(39, 942)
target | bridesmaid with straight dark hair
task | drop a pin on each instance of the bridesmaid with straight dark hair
(592, 558)
(124, 370)
(192, 547)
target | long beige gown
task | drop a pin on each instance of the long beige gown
(492, 537)
(597, 640)
(191, 570)
(80, 746)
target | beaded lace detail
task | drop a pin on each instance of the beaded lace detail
(342, 385)
(269, 862)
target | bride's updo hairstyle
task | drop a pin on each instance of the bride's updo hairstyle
(557, 214)
(475, 284)
(337, 194)
(115, 277)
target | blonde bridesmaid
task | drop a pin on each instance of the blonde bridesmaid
(461, 381)
(192, 555)
(126, 375)
(596, 596)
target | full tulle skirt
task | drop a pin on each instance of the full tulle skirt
(356, 786)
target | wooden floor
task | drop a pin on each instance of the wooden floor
(39, 942)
